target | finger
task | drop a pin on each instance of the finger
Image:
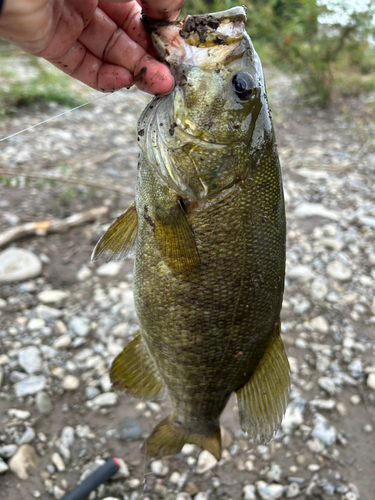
(163, 9)
(81, 64)
(128, 17)
(106, 41)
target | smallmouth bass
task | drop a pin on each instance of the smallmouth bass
(209, 226)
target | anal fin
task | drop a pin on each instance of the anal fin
(119, 238)
(168, 438)
(262, 401)
(134, 372)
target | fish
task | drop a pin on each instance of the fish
(208, 227)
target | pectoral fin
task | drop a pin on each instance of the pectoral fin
(134, 372)
(119, 238)
(175, 238)
(262, 401)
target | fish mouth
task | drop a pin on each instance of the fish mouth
(204, 40)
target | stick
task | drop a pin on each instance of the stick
(41, 228)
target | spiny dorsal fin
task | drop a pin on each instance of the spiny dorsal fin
(168, 438)
(262, 401)
(175, 238)
(119, 238)
(134, 372)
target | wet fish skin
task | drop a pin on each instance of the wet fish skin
(210, 255)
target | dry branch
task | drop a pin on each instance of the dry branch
(51, 226)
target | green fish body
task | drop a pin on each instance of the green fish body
(209, 226)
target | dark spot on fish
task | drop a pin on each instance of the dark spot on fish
(171, 128)
(147, 218)
(65, 65)
(141, 132)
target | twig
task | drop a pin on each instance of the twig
(70, 180)
(367, 406)
(51, 226)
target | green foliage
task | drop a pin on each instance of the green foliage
(45, 85)
(291, 35)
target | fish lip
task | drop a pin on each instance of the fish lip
(188, 39)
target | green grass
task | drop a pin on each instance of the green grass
(46, 84)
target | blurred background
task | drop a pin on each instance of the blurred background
(63, 319)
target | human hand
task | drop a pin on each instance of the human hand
(103, 44)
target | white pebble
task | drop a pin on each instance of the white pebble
(70, 383)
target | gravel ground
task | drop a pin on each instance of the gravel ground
(63, 322)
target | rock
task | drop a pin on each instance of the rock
(80, 325)
(91, 392)
(3, 466)
(134, 483)
(30, 385)
(84, 274)
(319, 324)
(304, 210)
(355, 399)
(52, 296)
(8, 450)
(67, 436)
(159, 468)
(183, 496)
(19, 414)
(70, 383)
(226, 438)
(303, 274)
(269, 491)
(18, 264)
(23, 461)
(293, 418)
(27, 437)
(249, 492)
(318, 289)
(323, 404)
(206, 461)
(36, 324)
(105, 383)
(328, 385)
(202, 495)
(292, 490)
(129, 429)
(339, 271)
(43, 403)
(120, 330)
(58, 462)
(62, 342)
(323, 430)
(47, 313)
(275, 473)
(123, 472)
(29, 359)
(110, 269)
(58, 492)
(106, 399)
(371, 381)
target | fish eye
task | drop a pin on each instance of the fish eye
(243, 85)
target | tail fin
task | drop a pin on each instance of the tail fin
(168, 438)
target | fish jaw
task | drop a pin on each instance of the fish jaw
(205, 41)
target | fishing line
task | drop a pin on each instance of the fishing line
(53, 117)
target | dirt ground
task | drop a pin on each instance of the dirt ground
(97, 144)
